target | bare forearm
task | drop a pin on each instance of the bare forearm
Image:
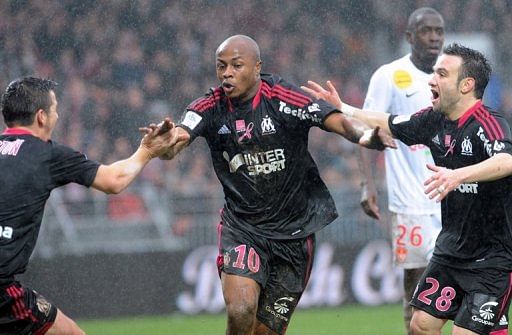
(115, 177)
(371, 118)
(366, 161)
(494, 168)
(353, 128)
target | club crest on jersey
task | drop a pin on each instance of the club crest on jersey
(267, 126)
(466, 147)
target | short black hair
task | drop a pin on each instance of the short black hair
(23, 97)
(415, 16)
(474, 65)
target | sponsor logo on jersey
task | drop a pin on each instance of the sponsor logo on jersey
(486, 313)
(402, 79)
(401, 118)
(468, 188)
(436, 140)
(301, 113)
(10, 148)
(258, 162)
(487, 144)
(466, 147)
(267, 126)
(498, 146)
(191, 119)
(6, 232)
(223, 130)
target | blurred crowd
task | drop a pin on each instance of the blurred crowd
(124, 63)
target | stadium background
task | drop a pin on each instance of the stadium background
(122, 64)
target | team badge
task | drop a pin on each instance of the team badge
(226, 259)
(466, 147)
(267, 126)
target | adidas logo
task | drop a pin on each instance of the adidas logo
(503, 321)
(436, 140)
(223, 130)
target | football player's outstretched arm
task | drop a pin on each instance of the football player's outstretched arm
(117, 176)
(372, 119)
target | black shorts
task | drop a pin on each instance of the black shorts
(24, 311)
(281, 267)
(476, 299)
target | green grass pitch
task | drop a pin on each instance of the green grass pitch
(351, 319)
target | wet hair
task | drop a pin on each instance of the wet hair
(418, 14)
(23, 97)
(474, 65)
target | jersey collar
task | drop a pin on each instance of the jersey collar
(255, 100)
(16, 131)
(468, 113)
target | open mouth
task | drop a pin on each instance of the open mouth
(228, 88)
(435, 95)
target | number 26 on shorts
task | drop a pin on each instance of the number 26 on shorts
(414, 236)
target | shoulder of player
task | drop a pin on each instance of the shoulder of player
(400, 65)
(492, 122)
(207, 101)
(274, 87)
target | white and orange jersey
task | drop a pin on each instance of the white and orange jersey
(401, 88)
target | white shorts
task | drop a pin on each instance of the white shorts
(414, 238)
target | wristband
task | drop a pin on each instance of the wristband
(347, 109)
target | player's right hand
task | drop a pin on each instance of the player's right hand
(330, 94)
(377, 139)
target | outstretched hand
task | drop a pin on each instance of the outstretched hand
(377, 139)
(330, 94)
(442, 182)
(158, 138)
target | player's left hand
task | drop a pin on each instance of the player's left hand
(442, 182)
(377, 139)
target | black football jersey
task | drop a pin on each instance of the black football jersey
(259, 150)
(476, 217)
(30, 170)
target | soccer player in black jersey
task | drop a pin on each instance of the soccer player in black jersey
(469, 277)
(31, 165)
(256, 126)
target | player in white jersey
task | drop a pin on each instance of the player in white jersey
(402, 87)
